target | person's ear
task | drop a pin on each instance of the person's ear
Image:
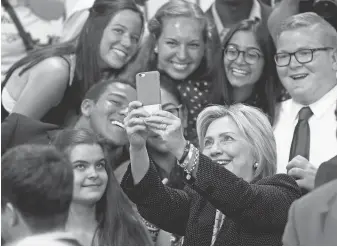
(87, 107)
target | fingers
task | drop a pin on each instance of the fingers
(156, 126)
(135, 121)
(134, 105)
(297, 173)
(136, 129)
(136, 113)
(299, 162)
(158, 120)
(165, 114)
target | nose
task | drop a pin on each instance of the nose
(294, 63)
(126, 41)
(215, 151)
(240, 59)
(92, 173)
(124, 111)
(182, 52)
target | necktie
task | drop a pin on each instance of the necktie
(301, 139)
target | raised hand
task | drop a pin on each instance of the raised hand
(135, 125)
(169, 127)
(303, 171)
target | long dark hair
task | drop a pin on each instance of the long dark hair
(85, 47)
(146, 59)
(118, 223)
(267, 87)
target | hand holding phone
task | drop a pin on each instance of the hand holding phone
(148, 90)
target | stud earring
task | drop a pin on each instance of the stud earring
(156, 49)
(256, 165)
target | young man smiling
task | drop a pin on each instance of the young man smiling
(103, 110)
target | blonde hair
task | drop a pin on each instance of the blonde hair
(255, 128)
(310, 20)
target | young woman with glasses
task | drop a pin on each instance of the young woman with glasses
(249, 68)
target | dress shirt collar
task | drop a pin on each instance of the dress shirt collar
(318, 108)
(255, 14)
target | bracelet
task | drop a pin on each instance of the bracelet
(187, 159)
(186, 150)
(195, 162)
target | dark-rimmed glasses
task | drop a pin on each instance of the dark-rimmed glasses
(302, 56)
(251, 55)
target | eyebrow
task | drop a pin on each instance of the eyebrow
(84, 161)
(221, 135)
(301, 48)
(175, 39)
(248, 47)
(117, 24)
(121, 95)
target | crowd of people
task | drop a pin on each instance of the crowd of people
(242, 152)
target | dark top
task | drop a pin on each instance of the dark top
(69, 104)
(256, 213)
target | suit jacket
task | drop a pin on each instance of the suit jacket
(256, 213)
(326, 172)
(18, 129)
(313, 218)
(265, 13)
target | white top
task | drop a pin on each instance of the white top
(12, 47)
(255, 14)
(323, 127)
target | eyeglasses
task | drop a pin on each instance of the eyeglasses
(251, 55)
(302, 56)
(173, 110)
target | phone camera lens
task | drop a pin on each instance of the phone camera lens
(141, 75)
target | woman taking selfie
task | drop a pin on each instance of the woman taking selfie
(233, 197)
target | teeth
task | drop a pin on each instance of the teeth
(118, 124)
(239, 72)
(119, 53)
(301, 76)
(180, 66)
(223, 162)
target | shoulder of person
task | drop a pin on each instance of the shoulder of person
(319, 199)
(280, 180)
(55, 68)
(54, 64)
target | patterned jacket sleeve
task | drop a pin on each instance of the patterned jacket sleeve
(161, 205)
(264, 204)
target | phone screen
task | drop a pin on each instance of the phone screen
(148, 88)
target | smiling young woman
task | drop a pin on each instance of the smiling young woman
(49, 83)
(100, 213)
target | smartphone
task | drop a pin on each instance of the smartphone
(148, 90)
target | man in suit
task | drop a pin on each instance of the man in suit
(312, 219)
(226, 13)
(327, 170)
(305, 129)
(103, 110)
